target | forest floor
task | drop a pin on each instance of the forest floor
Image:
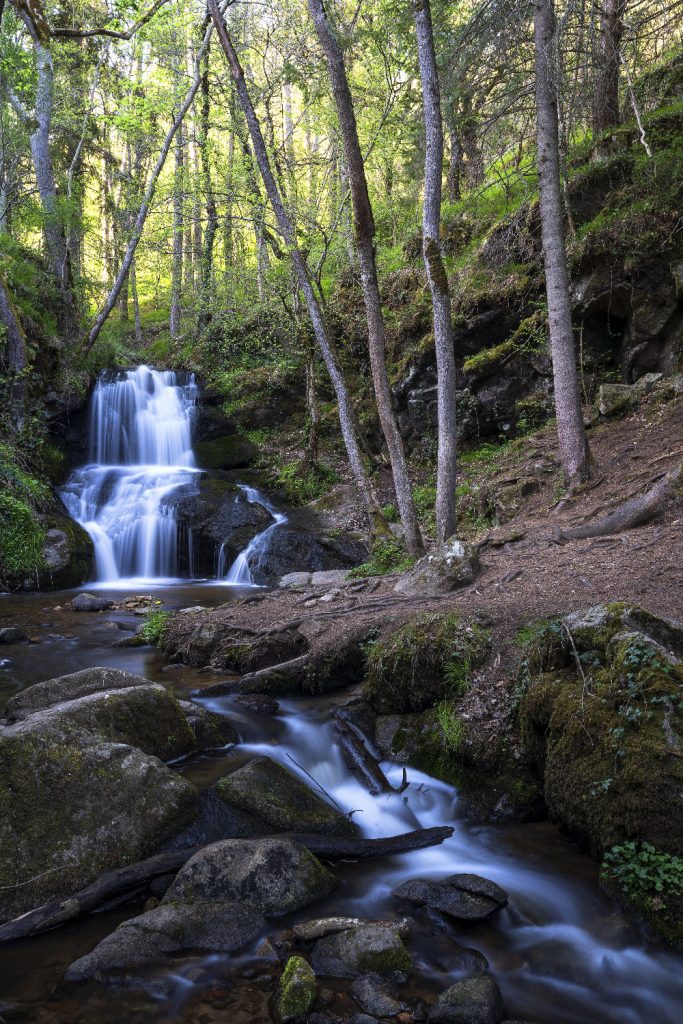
(526, 574)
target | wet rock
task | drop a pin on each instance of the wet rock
(363, 1018)
(259, 703)
(374, 996)
(288, 550)
(369, 948)
(296, 991)
(210, 729)
(65, 688)
(464, 897)
(279, 797)
(167, 932)
(234, 451)
(274, 875)
(472, 1001)
(67, 552)
(73, 807)
(446, 568)
(12, 635)
(91, 603)
(310, 930)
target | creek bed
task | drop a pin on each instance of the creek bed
(561, 952)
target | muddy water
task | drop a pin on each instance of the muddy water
(561, 952)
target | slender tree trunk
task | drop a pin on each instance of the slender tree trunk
(312, 406)
(436, 274)
(136, 300)
(454, 164)
(53, 229)
(178, 227)
(110, 301)
(285, 225)
(606, 88)
(206, 265)
(365, 231)
(16, 359)
(574, 451)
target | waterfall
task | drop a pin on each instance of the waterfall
(239, 573)
(140, 453)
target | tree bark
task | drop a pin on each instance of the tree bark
(436, 274)
(178, 229)
(301, 268)
(606, 87)
(573, 444)
(206, 263)
(365, 232)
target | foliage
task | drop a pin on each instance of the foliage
(388, 556)
(641, 868)
(451, 724)
(304, 481)
(153, 628)
(21, 540)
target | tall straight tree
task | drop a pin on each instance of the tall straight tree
(606, 86)
(320, 330)
(573, 443)
(446, 466)
(365, 245)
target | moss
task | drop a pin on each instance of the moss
(297, 990)
(412, 668)
(394, 963)
(231, 452)
(21, 540)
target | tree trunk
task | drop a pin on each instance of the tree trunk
(573, 444)
(286, 227)
(454, 165)
(436, 274)
(206, 265)
(53, 229)
(136, 300)
(365, 231)
(110, 301)
(606, 87)
(178, 227)
(16, 359)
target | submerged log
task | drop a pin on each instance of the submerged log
(360, 760)
(131, 878)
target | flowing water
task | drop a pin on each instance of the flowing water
(561, 952)
(140, 450)
(239, 574)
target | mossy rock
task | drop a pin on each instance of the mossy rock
(367, 949)
(297, 990)
(234, 451)
(427, 659)
(269, 790)
(602, 718)
(68, 553)
(72, 807)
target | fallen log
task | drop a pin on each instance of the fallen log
(632, 513)
(131, 878)
(359, 759)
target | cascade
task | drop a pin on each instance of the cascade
(239, 573)
(140, 453)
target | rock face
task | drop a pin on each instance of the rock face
(234, 451)
(446, 568)
(169, 931)
(73, 807)
(464, 897)
(367, 949)
(607, 739)
(297, 990)
(276, 876)
(68, 552)
(269, 790)
(289, 549)
(472, 1001)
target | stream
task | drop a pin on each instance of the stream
(561, 952)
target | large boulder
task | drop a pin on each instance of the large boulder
(465, 897)
(168, 932)
(146, 716)
(290, 549)
(446, 568)
(276, 876)
(475, 1000)
(68, 552)
(269, 790)
(73, 807)
(91, 603)
(374, 948)
(65, 688)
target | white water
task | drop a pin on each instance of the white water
(560, 951)
(239, 573)
(140, 451)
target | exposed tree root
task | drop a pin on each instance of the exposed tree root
(632, 513)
